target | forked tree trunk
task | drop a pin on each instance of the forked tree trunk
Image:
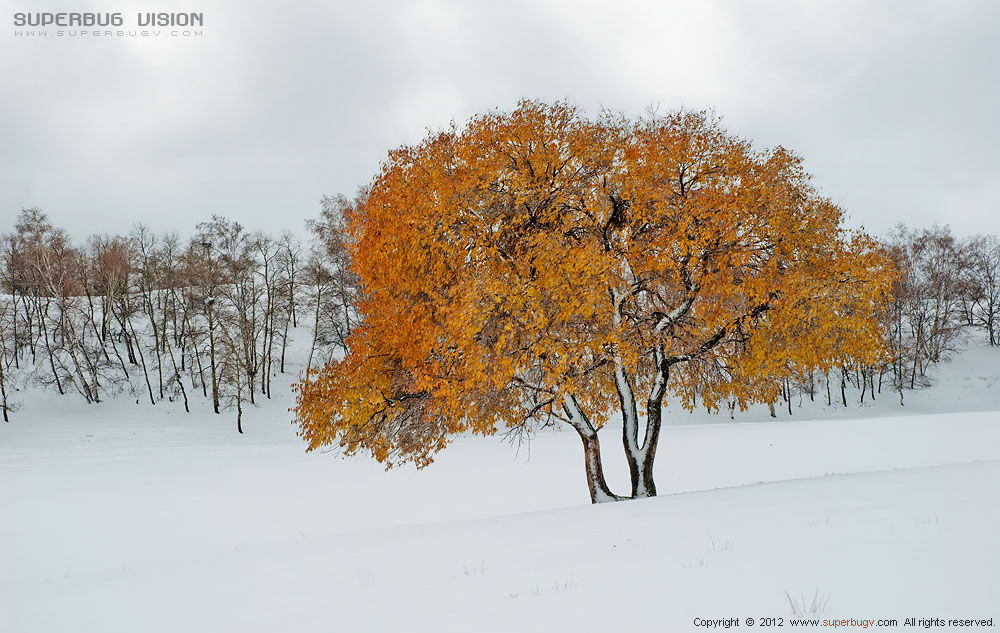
(640, 456)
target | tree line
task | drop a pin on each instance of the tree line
(943, 286)
(163, 318)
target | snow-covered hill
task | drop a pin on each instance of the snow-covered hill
(125, 517)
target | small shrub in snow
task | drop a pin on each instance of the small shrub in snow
(815, 607)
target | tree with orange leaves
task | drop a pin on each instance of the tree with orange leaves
(538, 266)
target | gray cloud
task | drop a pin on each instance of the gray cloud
(893, 105)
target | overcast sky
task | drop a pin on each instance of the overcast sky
(894, 105)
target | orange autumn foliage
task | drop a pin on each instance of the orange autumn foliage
(537, 263)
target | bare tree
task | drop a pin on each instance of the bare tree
(983, 273)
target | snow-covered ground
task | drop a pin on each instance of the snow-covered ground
(125, 517)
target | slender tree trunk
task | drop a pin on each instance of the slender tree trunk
(211, 361)
(93, 323)
(156, 340)
(29, 324)
(121, 361)
(269, 359)
(3, 383)
(312, 348)
(14, 334)
(48, 348)
(142, 358)
(178, 377)
(122, 318)
(197, 356)
(843, 385)
(239, 405)
(70, 344)
(284, 343)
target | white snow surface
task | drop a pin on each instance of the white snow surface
(126, 517)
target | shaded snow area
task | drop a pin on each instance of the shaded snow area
(125, 517)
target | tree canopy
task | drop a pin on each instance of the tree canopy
(538, 265)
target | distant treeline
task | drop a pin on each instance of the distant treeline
(943, 286)
(161, 317)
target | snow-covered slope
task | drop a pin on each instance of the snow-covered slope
(125, 518)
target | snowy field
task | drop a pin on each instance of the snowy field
(121, 517)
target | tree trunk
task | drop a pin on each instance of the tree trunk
(654, 413)
(142, 358)
(843, 385)
(284, 344)
(3, 388)
(630, 425)
(48, 348)
(599, 491)
(211, 360)
(239, 407)
(788, 397)
(312, 348)
(178, 377)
